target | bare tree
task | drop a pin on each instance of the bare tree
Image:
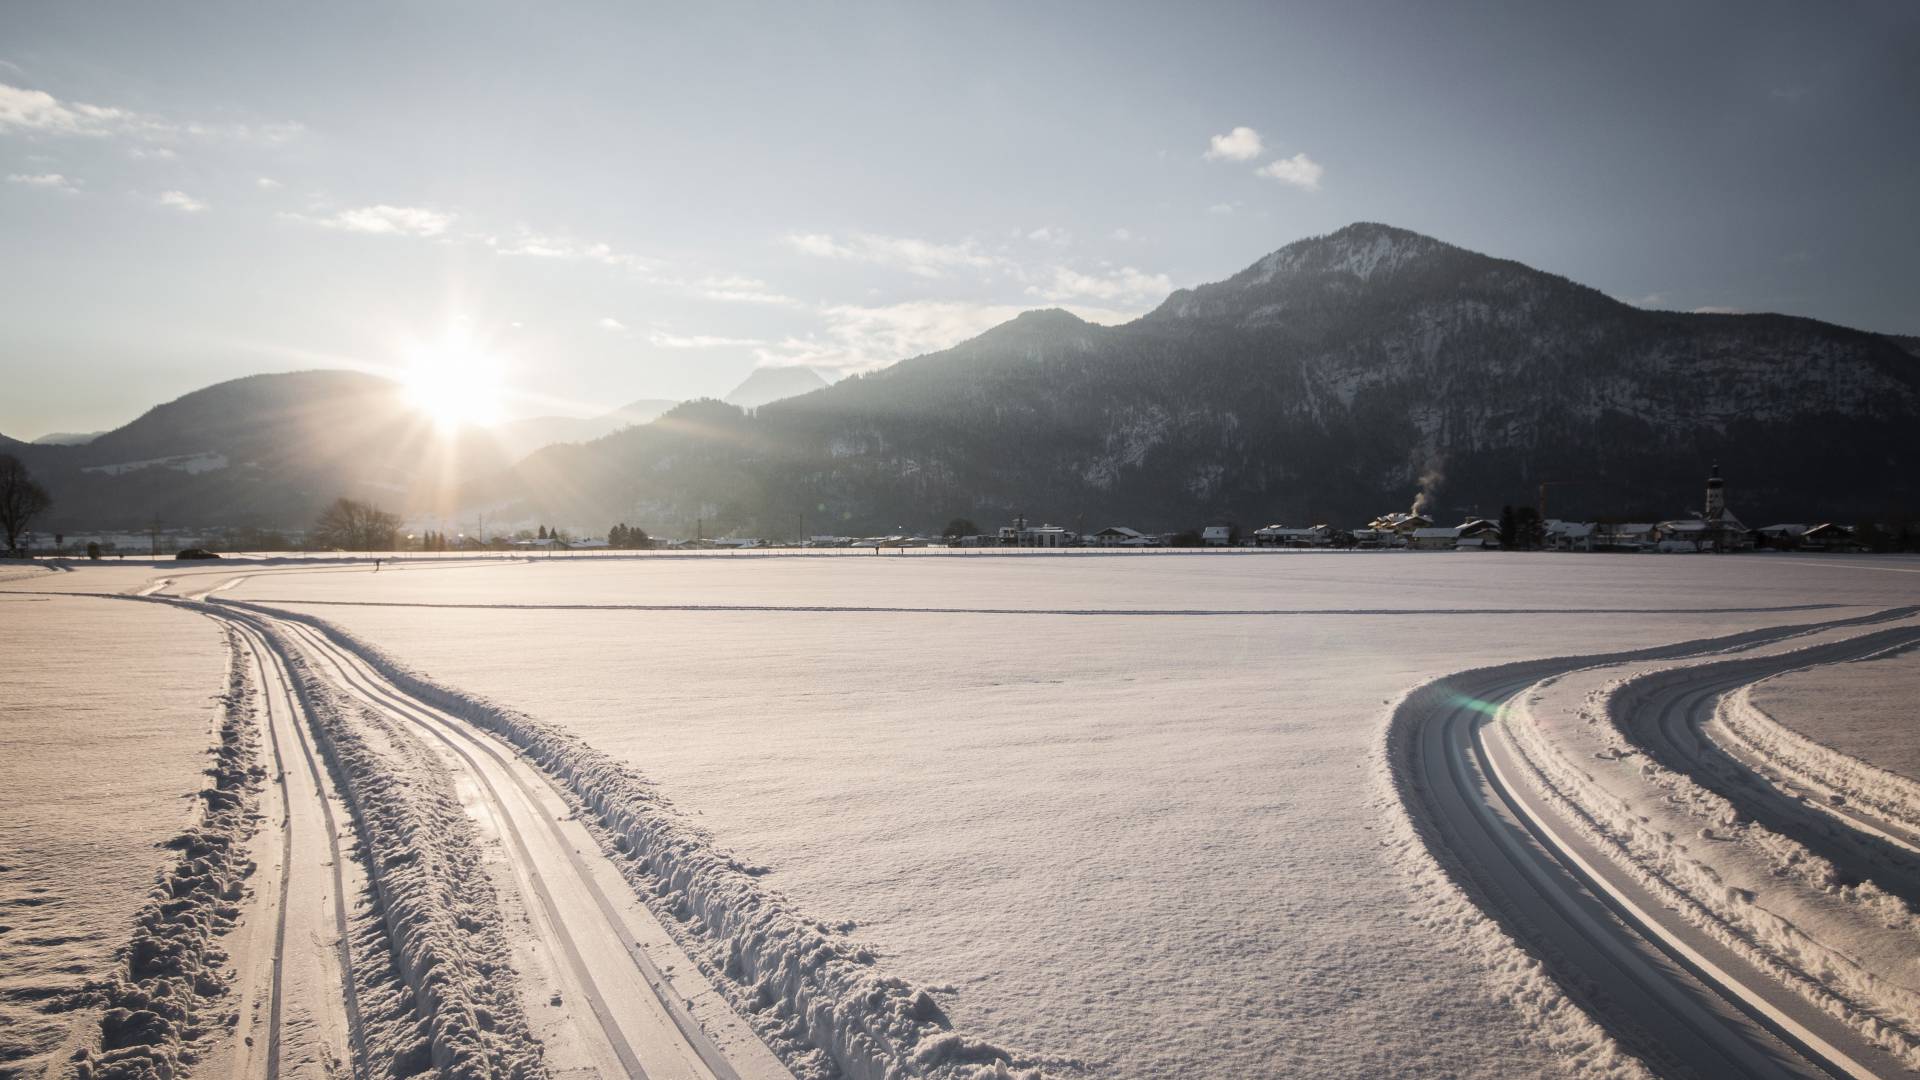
(355, 526)
(21, 499)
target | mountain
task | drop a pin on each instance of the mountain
(266, 450)
(521, 437)
(770, 384)
(1321, 383)
(67, 438)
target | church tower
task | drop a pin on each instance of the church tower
(1716, 496)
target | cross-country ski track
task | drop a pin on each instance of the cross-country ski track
(1681, 1001)
(609, 993)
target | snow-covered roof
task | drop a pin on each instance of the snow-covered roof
(1438, 533)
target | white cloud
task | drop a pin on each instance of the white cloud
(701, 341)
(1299, 170)
(547, 246)
(739, 289)
(157, 153)
(382, 220)
(1051, 234)
(180, 200)
(268, 183)
(36, 112)
(859, 338)
(611, 323)
(1240, 144)
(1122, 234)
(51, 181)
(819, 244)
(1125, 284)
(1719, 309)
(1222, 209)
(924, 258)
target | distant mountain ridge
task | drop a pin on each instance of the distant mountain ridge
(67, 438)
(1331, 380)
(522, 437)
(767, 385)
(1320, 383)
(265, 450)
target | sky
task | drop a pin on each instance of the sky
(617, 201)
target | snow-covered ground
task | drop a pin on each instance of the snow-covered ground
(1120, 813)
(1866, 710)
(107, 713)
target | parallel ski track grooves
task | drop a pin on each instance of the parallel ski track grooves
(286, 857)
(369, 686)
(257, 642)
(1562, 917)
(1667, 726)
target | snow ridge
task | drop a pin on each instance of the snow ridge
(1559, 1023)
(1811, 765)
(1656, 857)
(816, 1000)
(155, 1008)
(459, 1012)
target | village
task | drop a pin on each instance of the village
(1714, 528)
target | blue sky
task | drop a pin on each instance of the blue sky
(620, 201)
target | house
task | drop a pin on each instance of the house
(1629, 536)
(1683, 536)
(1477, 535)
(1217, 535)
(589, 544)
(1569, 535)
(1021, 534)
(1784, 536)
(1433, 538)
(1400, 523)
(1112, 536)
(1828, 537)
(1281, 536)
(1377, 538)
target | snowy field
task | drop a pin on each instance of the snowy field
(107, 712)
(1122, 813)
(1868, 709)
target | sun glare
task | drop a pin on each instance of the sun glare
(455, 382)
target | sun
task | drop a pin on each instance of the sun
(455, 382)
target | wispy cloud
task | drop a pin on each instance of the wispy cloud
(702, 341)
(52, 181)
(382, 220)
(268, 183)
(1299, 170)
(1240, 144)
(539, 245)
(1719, 309)
(36, 112)
(1051, 234)
(1222, 209)
(611, 323)
(1125, 285)
(738, 289)
(924, 258)
(180, 200)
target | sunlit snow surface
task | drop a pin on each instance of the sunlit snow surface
(1867, 710)
(1146, 840)
(106, 715)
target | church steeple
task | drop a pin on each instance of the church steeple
(1716, 495)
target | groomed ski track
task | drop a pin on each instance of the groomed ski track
(620, 997)
(1681, 1002)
